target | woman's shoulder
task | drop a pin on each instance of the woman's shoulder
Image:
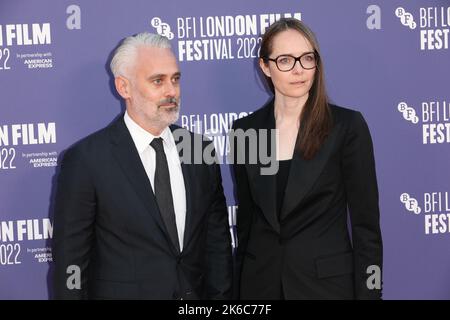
(257, 117)
(350, 120)
(342, 111)
(344, 114)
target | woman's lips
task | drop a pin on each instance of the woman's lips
(298, 83)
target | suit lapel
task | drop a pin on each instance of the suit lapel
(302, 175)
(265, 185)
(128, 158)
(188, 177)
(187, 184)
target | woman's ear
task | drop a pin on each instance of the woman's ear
(264, 67)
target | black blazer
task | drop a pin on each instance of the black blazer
(308, 253)
(107, 222)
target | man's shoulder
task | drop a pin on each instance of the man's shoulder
(180, 133)
(94, 142)
(176, 129)
(193, 147)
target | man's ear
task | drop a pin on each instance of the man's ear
(123, 87)
(264, 67)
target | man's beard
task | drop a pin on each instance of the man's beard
(173, 111)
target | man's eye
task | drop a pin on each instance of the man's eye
(157, 81)
(176, 79)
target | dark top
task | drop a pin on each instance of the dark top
(309, 251)
(104, 200)
(282, 178)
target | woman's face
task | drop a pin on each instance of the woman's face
(297, 82)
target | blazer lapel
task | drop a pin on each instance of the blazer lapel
(188, 178)
(187, 184)
(128, 158)
(302, 175)
(265, 185)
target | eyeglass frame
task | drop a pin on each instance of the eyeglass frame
(316, 56)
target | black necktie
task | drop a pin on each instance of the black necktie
(163, 192)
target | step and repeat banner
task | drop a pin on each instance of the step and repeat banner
(389, 59)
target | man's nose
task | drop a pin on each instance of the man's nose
(170, 89)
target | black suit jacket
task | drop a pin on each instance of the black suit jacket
(107, 223)
(307, 253)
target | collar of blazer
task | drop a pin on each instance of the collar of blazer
(127, 156)
(302, 174)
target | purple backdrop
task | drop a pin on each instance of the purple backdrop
(388, 59)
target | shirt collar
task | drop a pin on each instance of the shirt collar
(143, 138)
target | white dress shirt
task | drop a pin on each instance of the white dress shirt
(142, 140)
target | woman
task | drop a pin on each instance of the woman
(293, 237)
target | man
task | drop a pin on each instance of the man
(133, 221)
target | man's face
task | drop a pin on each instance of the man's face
(154, 89)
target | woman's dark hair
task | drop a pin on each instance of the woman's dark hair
(316, 121)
